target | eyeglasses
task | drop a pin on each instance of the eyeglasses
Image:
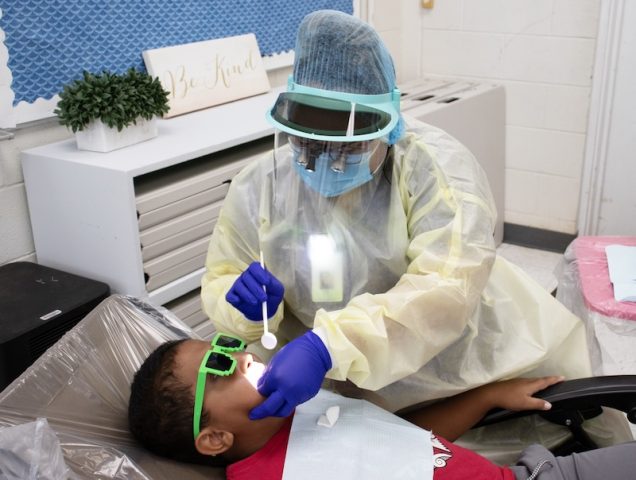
(217, 361)
(340, 154)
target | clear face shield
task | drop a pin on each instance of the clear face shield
(330, 168)
(335, 141)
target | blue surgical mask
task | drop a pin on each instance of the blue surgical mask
(331, 184)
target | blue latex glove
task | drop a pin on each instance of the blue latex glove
(293, 376)
(247, 295)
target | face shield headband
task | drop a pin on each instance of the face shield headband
(328, 115)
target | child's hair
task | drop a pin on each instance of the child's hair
(161, 408)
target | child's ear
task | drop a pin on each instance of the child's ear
(213, 442)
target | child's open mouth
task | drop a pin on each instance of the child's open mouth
(254, 371)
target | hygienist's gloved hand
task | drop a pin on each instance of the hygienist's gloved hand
(293, 376)
(247, 295)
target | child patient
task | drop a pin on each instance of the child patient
(190, 401)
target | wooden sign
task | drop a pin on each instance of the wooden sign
(202, 74)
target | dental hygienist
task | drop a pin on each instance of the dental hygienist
(377, 235)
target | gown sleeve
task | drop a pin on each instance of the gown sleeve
(378, 339)
(233, 246)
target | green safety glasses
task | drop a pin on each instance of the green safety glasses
(217, 361)
(334, 116)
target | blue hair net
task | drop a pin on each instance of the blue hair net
(336, 51)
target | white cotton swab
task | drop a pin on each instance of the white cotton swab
(268, 339)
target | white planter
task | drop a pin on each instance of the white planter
(99, 137)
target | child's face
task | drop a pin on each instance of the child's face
(229, 399)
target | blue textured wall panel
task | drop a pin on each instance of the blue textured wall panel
(50, 42)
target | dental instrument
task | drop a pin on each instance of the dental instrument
(268, 339)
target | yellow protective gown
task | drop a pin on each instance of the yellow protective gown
(424, 298)
(428, 310)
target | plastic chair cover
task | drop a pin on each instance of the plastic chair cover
(81, 385)
(31, 451)
(585, 289)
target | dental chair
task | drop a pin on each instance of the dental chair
(574, 402)
(81, 386)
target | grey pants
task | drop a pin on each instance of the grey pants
(617, 462)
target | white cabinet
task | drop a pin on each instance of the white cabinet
(139, 218)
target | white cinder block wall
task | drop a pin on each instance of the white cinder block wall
(16, 239)
(542, 51)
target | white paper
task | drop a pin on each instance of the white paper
(366, 443)
(621, 263)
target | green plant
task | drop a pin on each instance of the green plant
(117, 100)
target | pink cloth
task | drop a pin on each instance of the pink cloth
(596, 287)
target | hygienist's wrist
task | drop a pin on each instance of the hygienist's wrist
(322, 335)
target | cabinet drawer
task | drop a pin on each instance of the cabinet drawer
(203, 230)
(186, 304)
(183, 206)
(196, 319)
(175, 257)
(158, 189)
(180, 224)
(165, 277)
(205, 330)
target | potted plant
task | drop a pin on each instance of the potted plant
(108, 111)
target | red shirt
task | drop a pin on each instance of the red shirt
(451, 461)
(267, 463)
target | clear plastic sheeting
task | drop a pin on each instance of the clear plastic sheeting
(81, 385)
(585, 288)
(31, 451)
